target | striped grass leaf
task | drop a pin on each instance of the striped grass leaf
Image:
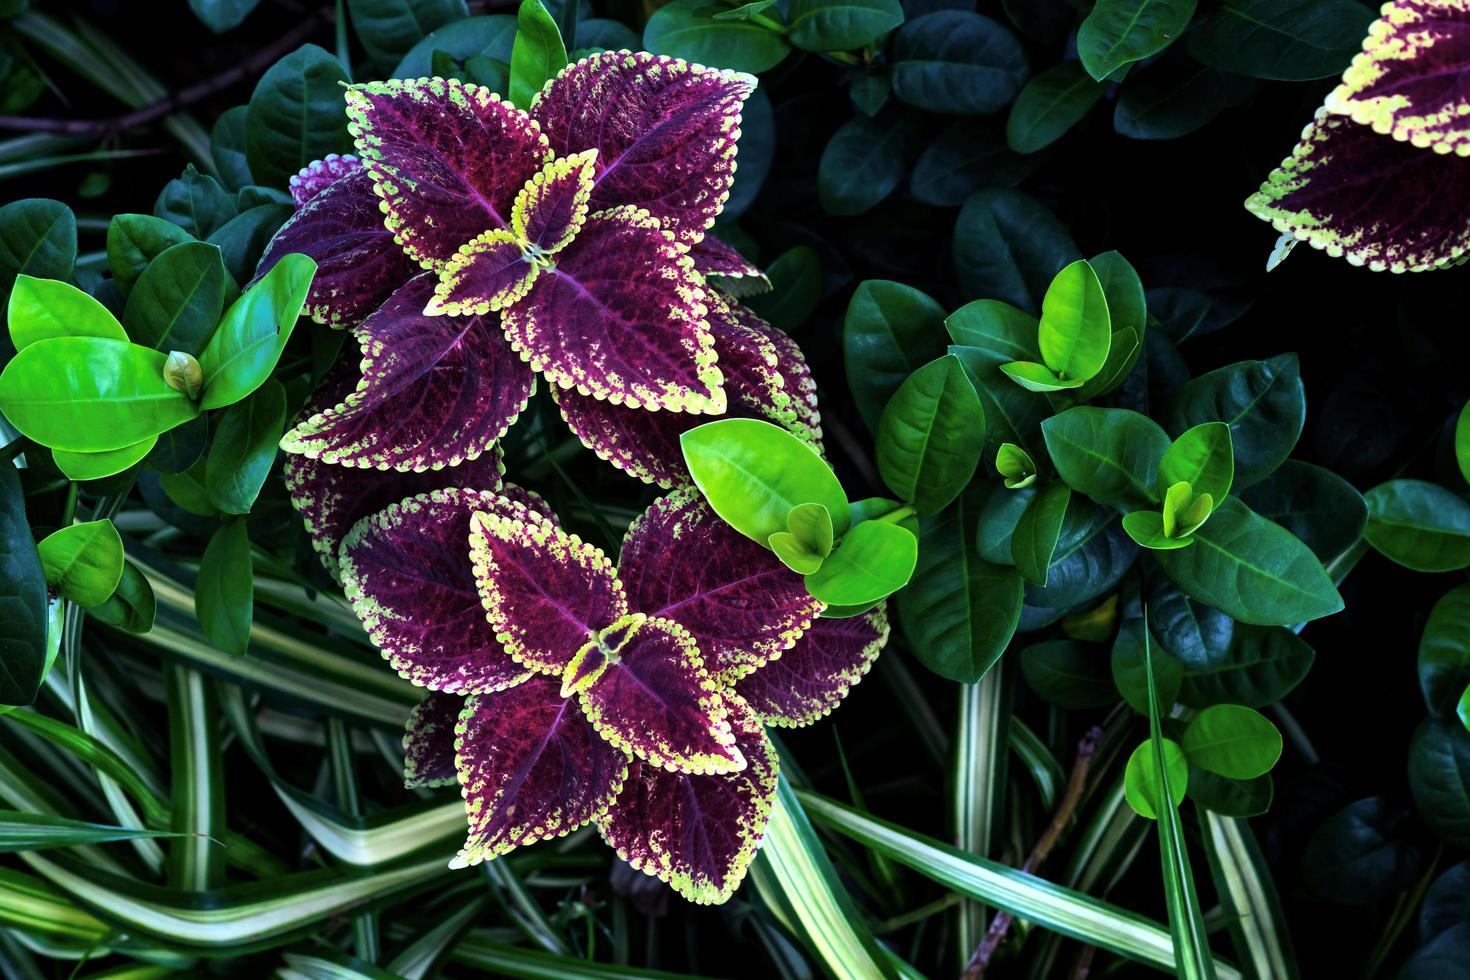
(21, 831)
(195, 859)
(1258, 930)
(500, 959)
(1192, 957)
(979, 782)
(1028, 897)
(1045, 771)
(796, 879)
(420, 957)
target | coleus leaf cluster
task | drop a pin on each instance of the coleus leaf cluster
(470, 246)
(1393, 136)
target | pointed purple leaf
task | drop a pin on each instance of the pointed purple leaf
(407, 572)
(428, 741)
(447, 159)
(546, 592)
(358, 265)
(656, 700)
(665, 132)
(435, 390)
(806, 682)
(530, 768)
(1412, 79)
(316, 176)
(1358, 194)
(551, 209)
(488, 273)
(621, 316)
(697, 833)
(742, 606)
(645, 445)
(727, 268)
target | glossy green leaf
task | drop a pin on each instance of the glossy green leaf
(176, 302)
(224, 599)
(883, 509)
(997, 327)
(135, 240)
(688, 29)
(956, 61)
(1128, 663)
(1262, 666)
(38, 237)
(1318, 506)
(1038, 377)
(840, 25)
(1009, 247)
(1184, 510)
(1261, 401)
(753, 473)
(1050, 105)
(196, 203)
(931, 435)
(226, 150)
(1174, 97)
(1015, 466)
(890, 331)
(959, 610)
(242, 240)
(1092, 554)
(388, 29)
(249, 341)
(95, 466)
(1444, 651)
(1075, 328)
(1148, 530)
(1037, 532)
(1110, 454)
(90, 394)
(1012, 414)
(866, 160)
(1420, 525)
(1285, 40)
(874, 559)
(1120, 32)
(794, 554)
(1127, 307)
(244, 449)
(1230, 797)
(1439, 777)
(296, 116)
(1233, 741)
(538, 53)
(188, 490)
(1124, 349)
(1068, 674)
(1142, 782)
(132, 606)
(807, 540)
(23, 598)
(83, 562)
(41, 309)
(1252, 570)
(1201, 457)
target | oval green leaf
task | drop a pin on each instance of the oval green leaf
(931, 435)
(83, 562)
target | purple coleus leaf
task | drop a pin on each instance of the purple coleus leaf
(446, 158)
(697, 833)
(664, 130)
(1412, 79)
(728, 269)
(762, 379)
(647, 691)
(743, 607)
(407, 572)
(358, 265)
(619, 314)
(530, 768)
(316, 176)
(806, 682)
(332, 498)
(428, 741)
(1355, 193)
(434, 391)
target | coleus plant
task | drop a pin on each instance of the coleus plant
(470, 246)
(1392, 136)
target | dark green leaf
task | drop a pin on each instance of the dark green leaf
(1091, 556)
(964, 158)
(840, 25)
(22, 597)
(222, 15)
(1444, 652)
(1360, 853)
(1252, 570)
(1036, 535)
(688, 29)
(1120, 32)
(1051, 104)
(242, 239)
(1286, 40)
(1068, 674)
(1315, 504)
(865, 161)
(931, 435)
(177, 301)
(1007, 246)
(1420, 525)
(1261, 401)
(1128, 664)
(796, 288)
(83, 562)
(244, 448)
(891, 330)
(1197, 635)
(389, 28)
(1110, 454)
(296, 116)
(958, 62)
(1439, 776)
(1262, 667)
(135, 240)
(1170, 99)
(132, 606)
(224, 597)
(1230, 797)
(491, 36)
(227, 148)
(1012, 414)
(196, 203)
(38, 236)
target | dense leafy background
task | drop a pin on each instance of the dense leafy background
(1353, 837)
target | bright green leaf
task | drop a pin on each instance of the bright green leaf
(873, 560)
(931, 436)
(1146, 528)
(244, 350)
(538, 53)
(1141, 778)
(1201, 457)
(1233, 741)
(41, 309)
(1110, 454)
(83, 562)
(95, 466)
